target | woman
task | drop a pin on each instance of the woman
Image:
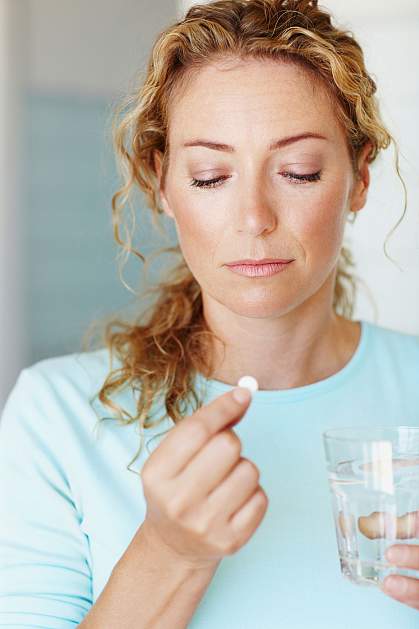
(253, 131)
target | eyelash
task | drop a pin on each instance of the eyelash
(213, 183)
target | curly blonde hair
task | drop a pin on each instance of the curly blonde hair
(166, 345)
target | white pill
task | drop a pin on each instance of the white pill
(249, 382)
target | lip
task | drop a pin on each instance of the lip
(259, 270)
(256, 262)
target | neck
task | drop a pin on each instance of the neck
(283, 354)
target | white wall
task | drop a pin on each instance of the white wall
(353, 10)
(389, 36)
(66, 48)
(91, 47)
(391, 47)
(12, 54)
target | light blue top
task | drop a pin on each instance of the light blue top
(69, 506)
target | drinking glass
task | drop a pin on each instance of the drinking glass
(373, 477)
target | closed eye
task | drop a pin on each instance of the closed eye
(296, 179)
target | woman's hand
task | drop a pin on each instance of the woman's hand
(203, 498)
(403, 589)
(381, 525)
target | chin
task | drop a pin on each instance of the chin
(259, 307)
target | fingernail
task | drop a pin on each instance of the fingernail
(395, 585)
(396, 555)
(392, 555)
(241, 394)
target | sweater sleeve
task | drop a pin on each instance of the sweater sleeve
(45, 572)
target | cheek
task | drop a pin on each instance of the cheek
(321, 226)
(198, 232)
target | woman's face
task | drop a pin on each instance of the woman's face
(256, 208)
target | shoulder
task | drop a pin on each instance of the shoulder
(57, 386)
(394, 352)
(78, 375)
(80, 369)
(391, 339)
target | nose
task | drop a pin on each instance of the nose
(255, 214)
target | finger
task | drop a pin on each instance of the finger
(210, 465)
(378, 525)
(403, 555)
(408, 525)
(194, 431)
(347, 525)
(243, 520)
(402, 588)
(235, 490)
(383, 524)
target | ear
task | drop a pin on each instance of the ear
(158, 161)
(360, 187)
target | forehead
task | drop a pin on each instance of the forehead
(249, 95)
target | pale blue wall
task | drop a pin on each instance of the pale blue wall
(70, 254)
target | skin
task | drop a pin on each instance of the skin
(280, 329)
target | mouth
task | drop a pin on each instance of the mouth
(256, 262)
(265, 269)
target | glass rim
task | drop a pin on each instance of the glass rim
(329, 434)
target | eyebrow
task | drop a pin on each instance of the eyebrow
(276, 144)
